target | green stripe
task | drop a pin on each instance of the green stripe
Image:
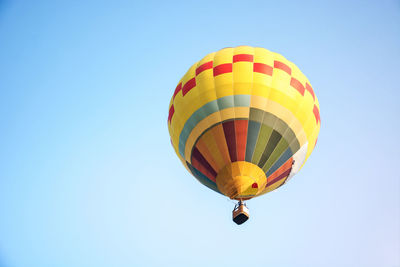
(278, 149)
(252, 134)
(262, 140)
(272, 142)
(282, 159)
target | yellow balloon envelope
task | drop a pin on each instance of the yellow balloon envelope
(243, 121)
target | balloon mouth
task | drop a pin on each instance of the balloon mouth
(241, 180)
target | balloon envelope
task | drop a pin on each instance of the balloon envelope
(243, 121)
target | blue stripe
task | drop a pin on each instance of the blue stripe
(252, 134)
(208, 109)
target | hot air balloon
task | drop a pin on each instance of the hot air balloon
(243, 121)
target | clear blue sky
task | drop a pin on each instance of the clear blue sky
(88, 176)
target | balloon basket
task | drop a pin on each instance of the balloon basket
(240, 213)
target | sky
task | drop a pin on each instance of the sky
(88, 176)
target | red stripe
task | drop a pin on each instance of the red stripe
(309, 89)
(203, 169)
(282, 66)
(177, 89)
(203, 67)
(201, 164)
(171, 113)
(243, 57)
(280, 177)
(316, 114)
(229, 131)
(188, 86)
(262, 68)
(297, 85)
(196, 154)
(223, 68)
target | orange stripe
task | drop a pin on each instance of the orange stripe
(202, 147)
(209, 141)
(286, 166)
(219, 136)
(241, 138)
